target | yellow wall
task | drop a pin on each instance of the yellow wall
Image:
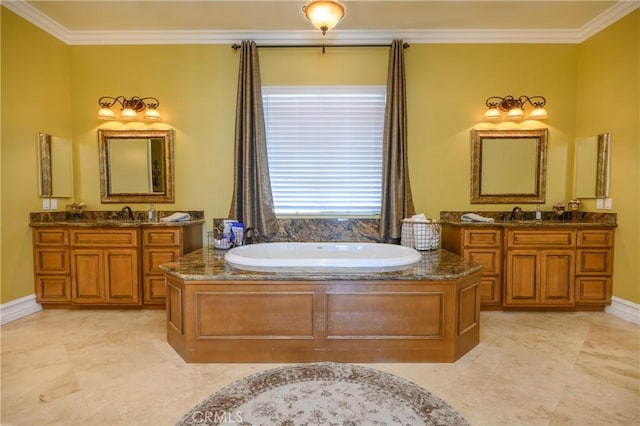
(36, 97)
(609, 101)
(196, 85)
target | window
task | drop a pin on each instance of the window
(325, 149)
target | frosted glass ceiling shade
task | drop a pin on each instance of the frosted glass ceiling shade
(324, 15)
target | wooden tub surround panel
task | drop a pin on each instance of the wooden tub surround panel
(428, 312)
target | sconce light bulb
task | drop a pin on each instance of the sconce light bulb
(515, 113)
(152, 114)
(106, 114)
(492, 114)
(128, 114)
(538, 113)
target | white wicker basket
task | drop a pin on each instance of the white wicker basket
(420, 235)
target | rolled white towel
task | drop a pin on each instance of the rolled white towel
(419, 217)
(473, 217)
(177, 217)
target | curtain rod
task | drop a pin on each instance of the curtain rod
(237, 46)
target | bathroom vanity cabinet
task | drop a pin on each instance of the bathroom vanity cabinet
(104, 266)
(483, 246)
(86, 264)
(538, 265)
(51, 265)
(163, 245)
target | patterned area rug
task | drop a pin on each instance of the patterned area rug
(322, 394)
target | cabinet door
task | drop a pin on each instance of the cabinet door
(490, 283)
(522, 283)
(154, 289)
(557, 273)
(121, 276)
(593, 290)
(52, 288)
(87, 282)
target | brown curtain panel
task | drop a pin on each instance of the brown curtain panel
(252, 201)
(397, 202)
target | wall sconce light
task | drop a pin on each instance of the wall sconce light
(129, 108)
(324, 15)
(514, 107)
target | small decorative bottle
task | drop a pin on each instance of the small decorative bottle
(152, 213)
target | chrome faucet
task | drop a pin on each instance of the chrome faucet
(516, 213)
(126, 210)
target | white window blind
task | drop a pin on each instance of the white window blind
(325, 149)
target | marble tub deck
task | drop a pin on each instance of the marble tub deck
(208, 264)
(81, 367)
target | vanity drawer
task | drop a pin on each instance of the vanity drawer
(50, 237)
(482, 237)
(156, 257)
(104, 238)
(161, 237)
(539, 238)
(594, 262)
(51, 260)
(595, 238)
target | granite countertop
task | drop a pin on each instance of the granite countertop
(549, 220)
(113, 223)
(108, 218)
(208, 264)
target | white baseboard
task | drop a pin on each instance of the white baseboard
(624, 309)
(18, 308)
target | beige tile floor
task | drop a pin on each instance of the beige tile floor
(88, 367)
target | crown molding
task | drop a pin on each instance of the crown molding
(608, 17)
(550, 36)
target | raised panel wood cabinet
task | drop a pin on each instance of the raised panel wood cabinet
(483, 246)
(538, 266)
(104, 265)
(51, 265)
(162, 245)
(594, 266)
(109, 265)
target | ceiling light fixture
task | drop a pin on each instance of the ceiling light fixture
(129, 108)
(514, 107)
(324, 15)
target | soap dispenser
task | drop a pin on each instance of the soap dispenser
(152, 213)
(538, 212)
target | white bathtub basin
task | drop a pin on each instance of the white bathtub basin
(322, 257)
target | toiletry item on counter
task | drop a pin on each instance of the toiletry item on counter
(474, 217)
(177, 217)
(538, 212)
(237, 233)
(152, 213)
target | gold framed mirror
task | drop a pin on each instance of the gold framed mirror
(55, 166)
(136, 166)
(592, 166)
(508, 166)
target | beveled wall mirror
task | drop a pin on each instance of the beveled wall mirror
(55, 166)
(592, 167)
(136, 166)
(508, 166)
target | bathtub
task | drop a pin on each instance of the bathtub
(322, 257)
